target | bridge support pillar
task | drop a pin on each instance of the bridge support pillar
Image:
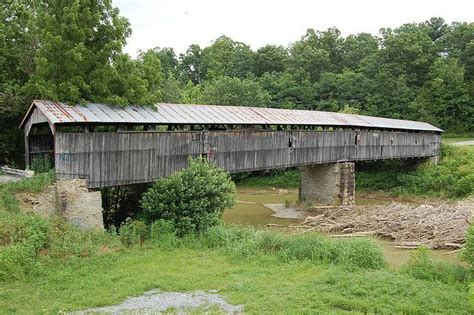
(331, 184)
(78, 205)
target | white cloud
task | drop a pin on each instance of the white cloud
(178, 24)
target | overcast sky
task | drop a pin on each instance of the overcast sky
(179, 23)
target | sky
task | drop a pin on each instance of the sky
(177, 24)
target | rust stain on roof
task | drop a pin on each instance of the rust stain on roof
(61, 113)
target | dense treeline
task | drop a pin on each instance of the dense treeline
(72, 51)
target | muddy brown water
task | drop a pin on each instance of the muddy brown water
(250, 211)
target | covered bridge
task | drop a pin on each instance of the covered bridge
(113, 146)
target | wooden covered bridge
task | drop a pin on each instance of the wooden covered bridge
(113, 146)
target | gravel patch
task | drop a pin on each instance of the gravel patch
(155, 301)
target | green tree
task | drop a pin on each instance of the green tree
(191, 66)
(18, 45)
(308, 61)
(168, 60)
(409, 51)
(270, 59)
(358, 50)
(192, 94)
(233, 91)
(192, 199)
(444, 98)
(171, 90)
(287, 91)
(458, 42)
(77, 39)
(342, 89)
(226, 57)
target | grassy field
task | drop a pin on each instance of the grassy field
(263, 283)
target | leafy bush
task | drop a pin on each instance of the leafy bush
(192, 199)
(423, 266)
(133, 232)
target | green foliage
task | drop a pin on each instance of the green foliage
(247, 242)
(423, 266)
(275, 178)
(471, 294)
(53, 266)
(234, 91)
(40, 165)
(453, 177)
(28, 242)
(75, 44)
(444, 98)
(192, 199)
(133, 232)
(468, 254)
(226, 57)
(162, 233)
(72, 51)
(270, 59)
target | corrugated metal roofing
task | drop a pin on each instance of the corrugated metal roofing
(61, 113)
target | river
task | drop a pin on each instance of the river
(250, 211)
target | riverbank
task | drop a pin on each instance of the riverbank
(49, 266)
(265, 208)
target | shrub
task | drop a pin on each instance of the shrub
(423, 266)
(192, 199)
(133, 232)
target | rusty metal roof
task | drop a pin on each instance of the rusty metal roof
(61, 113)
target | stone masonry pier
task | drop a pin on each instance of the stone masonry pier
(330, 184)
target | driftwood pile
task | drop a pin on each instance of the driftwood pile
(440, 226)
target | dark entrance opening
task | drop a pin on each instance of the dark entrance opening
(41, 146)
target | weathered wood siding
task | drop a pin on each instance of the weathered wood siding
(113, 159)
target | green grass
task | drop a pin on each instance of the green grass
(263, 284)
(49, 266)
(28, 243)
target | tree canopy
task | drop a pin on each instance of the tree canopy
(71, 51)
